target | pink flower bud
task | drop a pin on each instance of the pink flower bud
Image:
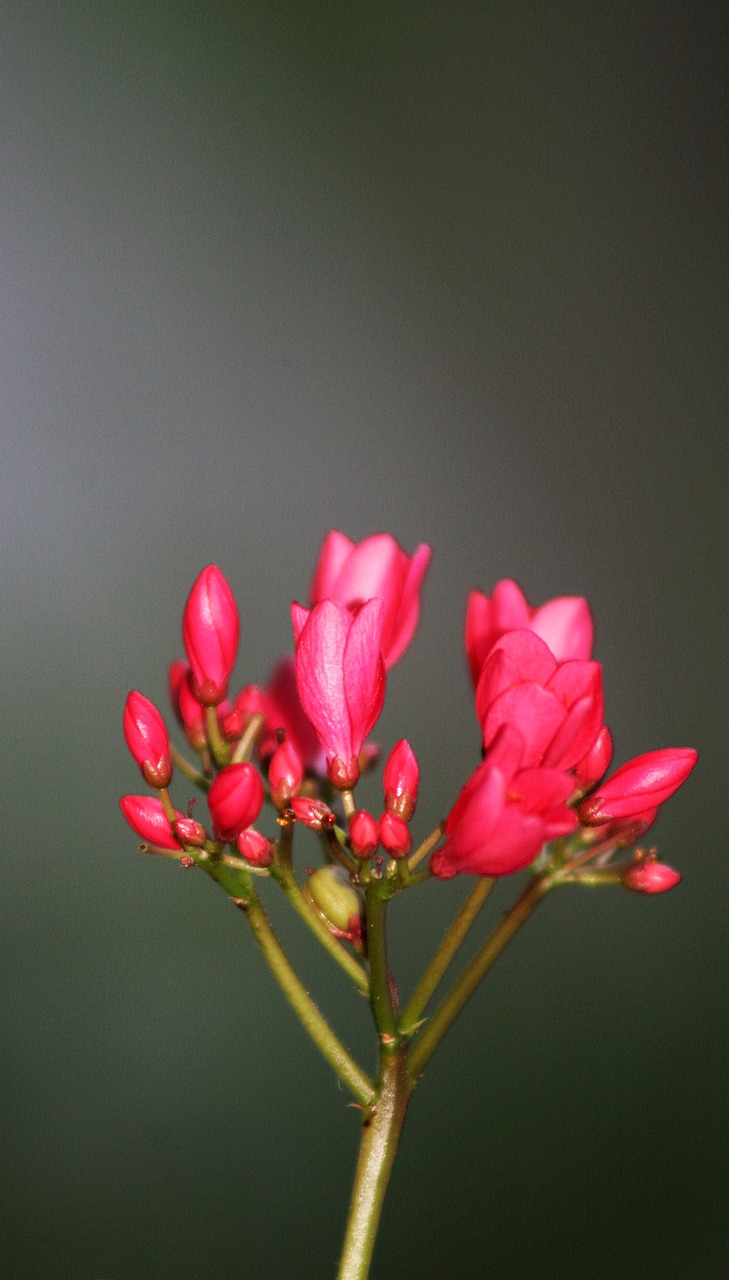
(191, 832)
(210, 635)
(351, 573)
(363, 835)
(643, 783)
(234, 799)
(395, 835)
(650, 877)
(147, 817)
(400, 781)
(254, 847)
(285, 774)
(340, 677)
(146, 737)
(314, 814)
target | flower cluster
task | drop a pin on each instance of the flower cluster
(538, 793)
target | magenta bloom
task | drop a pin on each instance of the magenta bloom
(400, 780)
(340, 676)
(650, 877)
(643, 783)
(557, 707)
(210, 635)
(282, 710)
(234, 800)
(146, 816)
(351, 573)
(147, 739)
(504, 814)
(565, 624)
(593, 765)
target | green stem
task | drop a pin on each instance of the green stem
(244, 748)
(473, 974)
(381, 993)
(381, 1128)
(424, 849)
(220, 749)
(192, 774)
(444, 955)
(239, 887)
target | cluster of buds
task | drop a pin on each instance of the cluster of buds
(301, 741)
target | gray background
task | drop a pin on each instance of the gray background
(454, 271)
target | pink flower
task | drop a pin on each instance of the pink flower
(504, 814)
(340, 676)
(147, 739)
(650, 877)
(557, 707)
(594, 764)
(210, 635)
(283, 710)
(400, 780)
(234, 799)
(564, 624)
(147, 817)
(350, 574)
(645, 782)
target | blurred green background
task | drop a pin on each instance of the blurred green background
(453, 271)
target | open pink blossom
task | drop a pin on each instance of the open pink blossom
(282, 710)
(504, 814)
(210, 630)
(340, 676)
(351, 573)
(645, 782)
(565, 624)
(557, 707)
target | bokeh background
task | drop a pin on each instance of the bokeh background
(453, 271)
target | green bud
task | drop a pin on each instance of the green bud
(336, 897)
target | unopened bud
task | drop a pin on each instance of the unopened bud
(336, 897)
(191, 832)
(395, 835)
(363, 835)
(254, 847)
(400, 781)
(285, 774)
(650, 877)
(314, 814)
